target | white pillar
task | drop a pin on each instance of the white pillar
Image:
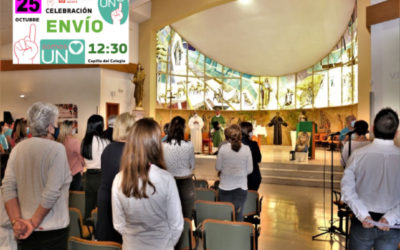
(385, 67)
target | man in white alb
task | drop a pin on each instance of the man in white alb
(371, 187)
(196, 124)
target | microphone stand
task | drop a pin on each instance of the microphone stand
(332, 229)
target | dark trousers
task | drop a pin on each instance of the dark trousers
(93, 179)
(76, 183)
(237, 197)
(45, 240)
(187, 195)
(3, 164)
(367, 238)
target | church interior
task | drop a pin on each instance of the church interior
(284, 66)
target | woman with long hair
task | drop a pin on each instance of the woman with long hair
(235, 162)
(179, 159)
(145, 200)
(253, 179)
(92, 147)
(110, 165)
(72, 147)
(19, 132)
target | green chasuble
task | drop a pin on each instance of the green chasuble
(218, 135)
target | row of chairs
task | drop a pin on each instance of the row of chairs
(76, 243)
(206, 208)
(322, 139)
(219, 235)
(252, 207)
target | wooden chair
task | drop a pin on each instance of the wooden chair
(76, 226)
(344, 213)
(206, 194)
(207, 141)
(77, 200)
(75, 243)
(92, 221)
(213, 210)
(317, 138)
(336, 141)
(324, 139)
(227, 235)
(187, 240)
(252, 211)
(253, 204)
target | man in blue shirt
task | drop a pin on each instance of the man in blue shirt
(3, 140)
(350, 121)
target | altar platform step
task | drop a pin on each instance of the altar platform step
(300, 175)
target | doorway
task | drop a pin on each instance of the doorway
(111, 109)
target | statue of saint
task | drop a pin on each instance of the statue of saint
(138, 80)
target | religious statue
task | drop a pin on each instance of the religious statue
(303, 116)
(288, 97)
(138, 80)
(277, 122)
(195, 126)
(265, 93)
(217, 128)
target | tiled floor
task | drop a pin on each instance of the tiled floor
(291, 215)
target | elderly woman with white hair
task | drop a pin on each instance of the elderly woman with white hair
(36, 182)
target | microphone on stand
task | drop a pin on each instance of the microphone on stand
(333, 134)
(351, 132)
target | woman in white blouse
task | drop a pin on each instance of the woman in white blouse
(145, 202)
(179, 158)
(92, 147)
(235, 162)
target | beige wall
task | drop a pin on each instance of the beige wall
(66, 86)
(163, 12)
(115, 87)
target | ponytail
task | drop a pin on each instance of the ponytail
(234, 136)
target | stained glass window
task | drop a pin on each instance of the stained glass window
(250, 92)
(335, 87)
(304, 89)
(320, 83)
(187, 79)
(287, 87)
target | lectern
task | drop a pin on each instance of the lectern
(308, 127)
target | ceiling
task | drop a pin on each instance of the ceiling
(268, 37)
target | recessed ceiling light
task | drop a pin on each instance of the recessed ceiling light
(22, 96)
(245, 1)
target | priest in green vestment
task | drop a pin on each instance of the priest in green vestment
(217, 128)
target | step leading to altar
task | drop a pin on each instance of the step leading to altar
(276, 168)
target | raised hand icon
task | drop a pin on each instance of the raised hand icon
(26, 48)
(117, 14)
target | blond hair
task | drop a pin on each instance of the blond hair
(65, 130)
(122, 125)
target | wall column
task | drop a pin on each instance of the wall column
(385, 55)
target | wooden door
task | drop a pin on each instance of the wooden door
(111, 109)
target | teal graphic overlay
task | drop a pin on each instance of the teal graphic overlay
(62, 51)
(106, 7)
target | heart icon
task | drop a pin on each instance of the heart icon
(76, 47)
